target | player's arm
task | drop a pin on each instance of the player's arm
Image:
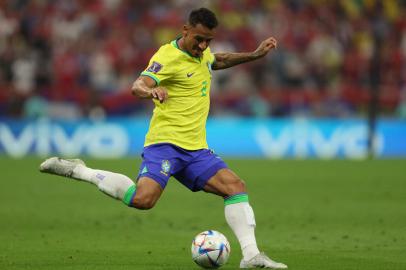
(146, 87)
(226, 60)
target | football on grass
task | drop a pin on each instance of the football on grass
(210, 249)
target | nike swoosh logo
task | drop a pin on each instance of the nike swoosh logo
(189, 74)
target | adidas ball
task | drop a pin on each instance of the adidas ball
(210, 249)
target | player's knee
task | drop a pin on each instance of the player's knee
(143, 202)
(237, 186)
(147, 194)
(240, 186)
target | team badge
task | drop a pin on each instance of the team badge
(165, 167)
(155, 67)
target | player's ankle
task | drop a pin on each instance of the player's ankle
(250, 251)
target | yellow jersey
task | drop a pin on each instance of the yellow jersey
(181, 119)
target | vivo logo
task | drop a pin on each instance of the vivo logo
(302, 140)
(44, 138)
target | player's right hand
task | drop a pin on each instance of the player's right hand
(159, 93)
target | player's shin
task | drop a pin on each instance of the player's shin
(113, 184)
(240, 217)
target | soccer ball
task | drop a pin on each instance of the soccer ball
(210, 249)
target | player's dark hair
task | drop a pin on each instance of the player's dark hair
(203, 16)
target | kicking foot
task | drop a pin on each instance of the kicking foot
(262, 261)
(59, 166)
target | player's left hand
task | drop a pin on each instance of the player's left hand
(265, 46)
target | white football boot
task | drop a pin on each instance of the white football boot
(262, 261)
(60, 166)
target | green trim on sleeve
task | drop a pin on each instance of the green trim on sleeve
(155, 78)
(237, 198)
(128, 196)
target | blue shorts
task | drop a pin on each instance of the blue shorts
(191, 168)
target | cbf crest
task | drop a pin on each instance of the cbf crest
(165, 167)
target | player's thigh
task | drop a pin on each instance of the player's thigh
(203, 164)
(148, 193)
(225, 183)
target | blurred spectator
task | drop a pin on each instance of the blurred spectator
(74, 58)
(401, 110)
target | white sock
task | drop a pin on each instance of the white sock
(240, 217)
(113, 184)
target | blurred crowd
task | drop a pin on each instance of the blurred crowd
(75, 58)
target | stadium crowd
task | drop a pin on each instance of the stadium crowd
(74, 58)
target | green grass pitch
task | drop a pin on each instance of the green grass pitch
(310, 215)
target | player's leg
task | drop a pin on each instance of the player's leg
(240, 217)
(144, 195)
(147, 194)
(238, 212)
(209, 173)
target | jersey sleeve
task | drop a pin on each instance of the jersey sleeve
(159, 68)
(212, 58)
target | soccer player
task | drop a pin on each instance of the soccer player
(178, 80)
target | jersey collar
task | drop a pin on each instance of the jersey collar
(175, 44)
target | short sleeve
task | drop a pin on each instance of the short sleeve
(159, 67)
(212, 58)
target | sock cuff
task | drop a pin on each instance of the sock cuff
(129, 195)
(236, 198)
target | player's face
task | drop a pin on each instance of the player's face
(197, 39)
